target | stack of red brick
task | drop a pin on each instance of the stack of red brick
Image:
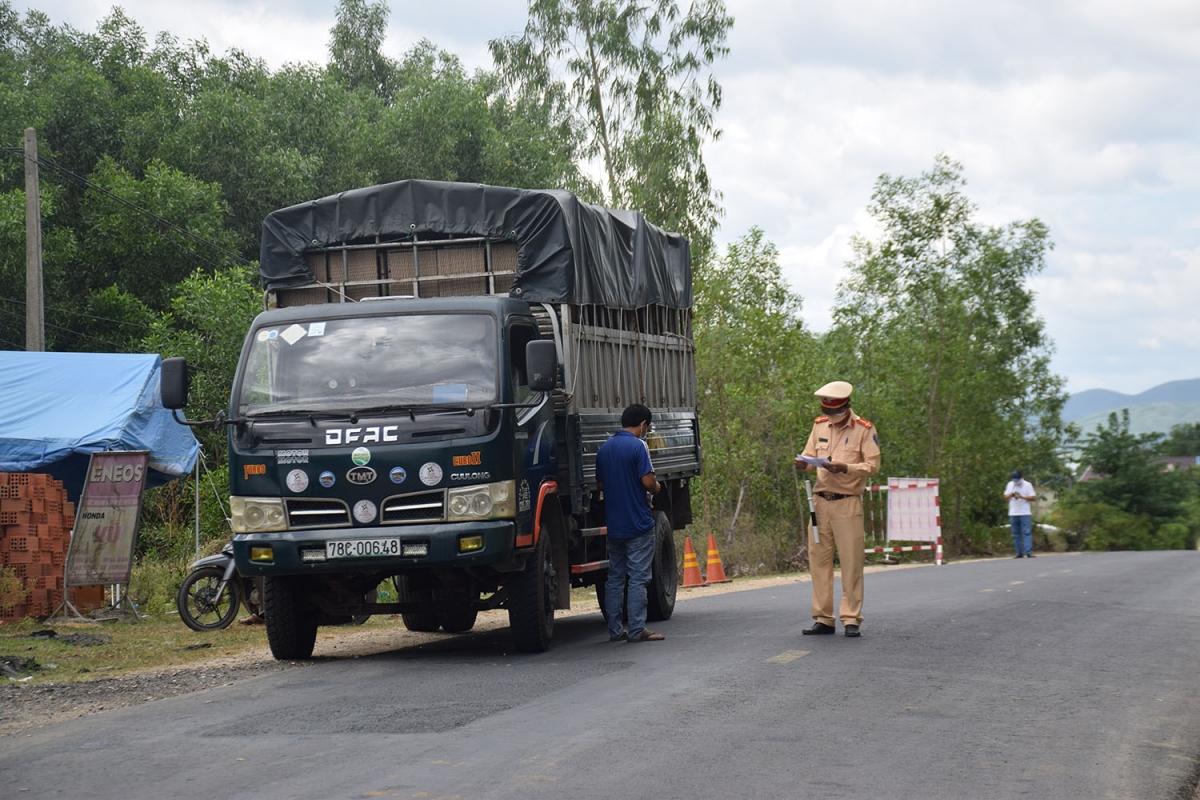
(35, 530)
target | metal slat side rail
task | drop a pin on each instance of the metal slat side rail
(405, 268)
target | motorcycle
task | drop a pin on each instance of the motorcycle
(213, 592)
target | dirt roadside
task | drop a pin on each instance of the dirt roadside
(24, 707)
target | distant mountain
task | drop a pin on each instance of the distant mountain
(1155, 410)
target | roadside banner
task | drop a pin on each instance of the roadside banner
(107, 518)
(914, 512)
(913, 515)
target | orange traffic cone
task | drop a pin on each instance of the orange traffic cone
(713, 571)
(691, 568)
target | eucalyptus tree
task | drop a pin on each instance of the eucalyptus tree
(356, 48)
(948, 350)
(635, 79)
(754, 357)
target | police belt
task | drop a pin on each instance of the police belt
(834, 495)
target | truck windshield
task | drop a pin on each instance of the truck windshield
(366, 362)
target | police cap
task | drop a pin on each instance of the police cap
(834, 394)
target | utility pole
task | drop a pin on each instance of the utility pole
(35, 323)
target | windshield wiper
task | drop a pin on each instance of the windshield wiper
(412, 410)
(295, 412)
(309, 414)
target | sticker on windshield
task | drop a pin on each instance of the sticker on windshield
(316, 329)
(431, 474)
(361, 456)
(450, 393)
(297, 480)
(293, 333)
(263, 336)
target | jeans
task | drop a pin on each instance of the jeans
(1022, 531)
(628, 559)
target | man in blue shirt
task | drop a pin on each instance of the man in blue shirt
(626, 477)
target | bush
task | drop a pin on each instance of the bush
(1099, 526)
(154, 583)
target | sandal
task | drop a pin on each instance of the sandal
(646, 636)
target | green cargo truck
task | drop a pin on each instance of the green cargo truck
(422, 401)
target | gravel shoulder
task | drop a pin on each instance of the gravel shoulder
(24, 707)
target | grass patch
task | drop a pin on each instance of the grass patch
(83, 651)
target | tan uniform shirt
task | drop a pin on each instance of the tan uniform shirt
(853, 443)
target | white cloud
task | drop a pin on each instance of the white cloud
(1082, 113)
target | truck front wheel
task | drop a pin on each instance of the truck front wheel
(291, 619)
(531, 595)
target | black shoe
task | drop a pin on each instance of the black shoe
(819, 629)
(1030, 555)
(1018, 555)
(852, 631)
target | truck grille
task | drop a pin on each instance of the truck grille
(305, 512)
(409, 508)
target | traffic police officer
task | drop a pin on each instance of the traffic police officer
(847, 447)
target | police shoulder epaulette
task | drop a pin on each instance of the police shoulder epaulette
(821, 419)
(865, 422)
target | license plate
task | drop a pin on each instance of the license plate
(362, 548)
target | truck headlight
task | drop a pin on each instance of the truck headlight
(488, 501)
(257, 514)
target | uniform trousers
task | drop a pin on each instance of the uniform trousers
(840, 526)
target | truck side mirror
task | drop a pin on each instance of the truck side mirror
(173, 382)
(541, 364)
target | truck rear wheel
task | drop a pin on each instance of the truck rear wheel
(458, 618)
(291, 619)
(531, 600)
(423, 620)
(660, 594)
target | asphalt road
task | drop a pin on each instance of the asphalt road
(1063, 677)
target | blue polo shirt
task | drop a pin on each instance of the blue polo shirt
(620, 464)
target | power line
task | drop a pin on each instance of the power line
(83, 314)
(162, 221)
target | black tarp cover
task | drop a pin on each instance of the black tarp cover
(567, 250)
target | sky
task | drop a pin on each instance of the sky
(1081, 113)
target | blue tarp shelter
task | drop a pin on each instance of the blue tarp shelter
(56, 409)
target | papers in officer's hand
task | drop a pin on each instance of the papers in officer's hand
(816, 462)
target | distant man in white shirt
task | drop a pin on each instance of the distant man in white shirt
(1018, 493)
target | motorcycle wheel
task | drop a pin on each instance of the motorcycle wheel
(197, 601)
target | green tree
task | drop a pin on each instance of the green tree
(753, 355)
(59, 248)
(355, 48)
(146, 255)
(635, 78)
(207, 321)
(947, 349)
(1184, 440)
(1129, 479)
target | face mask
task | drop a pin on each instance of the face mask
(836, 416)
